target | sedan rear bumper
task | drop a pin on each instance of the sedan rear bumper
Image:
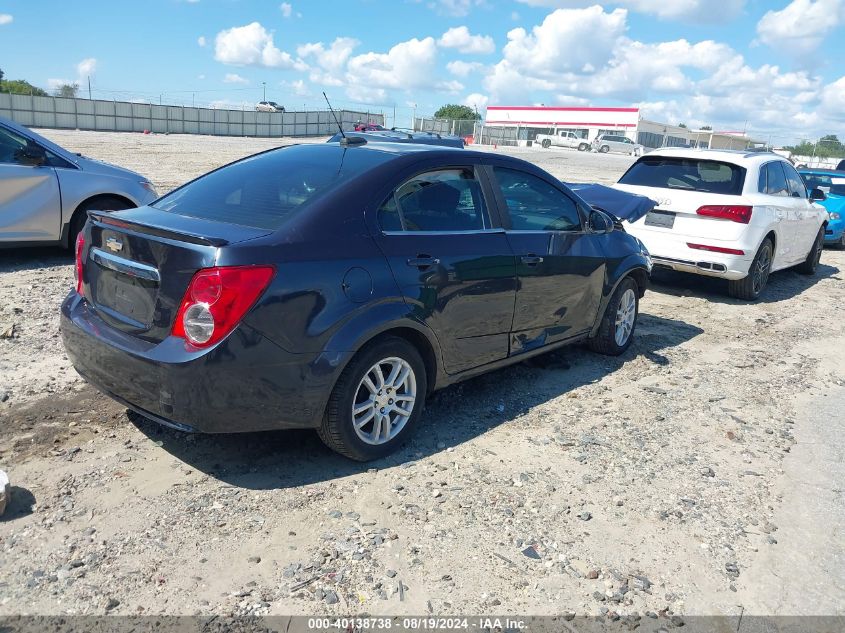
(246, 383)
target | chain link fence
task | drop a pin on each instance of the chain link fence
(469, 129)
(124, 116)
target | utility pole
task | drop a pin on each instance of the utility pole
(89, 87)
(414, 119)
(264, 85)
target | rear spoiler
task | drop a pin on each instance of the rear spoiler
(104, 218)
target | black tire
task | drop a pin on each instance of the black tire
(811, 264)
(546, 143)
(604, 149)
(605, 341)
(841, 243)
(583, 147)
(752, 285)
(337, 430)
(80, 216)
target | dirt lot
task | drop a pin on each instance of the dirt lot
(700, 473)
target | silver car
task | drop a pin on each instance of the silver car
(46, 191)
(617, 143)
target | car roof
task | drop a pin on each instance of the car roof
(743, 158)
(821, 171)
(397, 136)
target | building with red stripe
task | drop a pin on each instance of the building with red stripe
(588, 123)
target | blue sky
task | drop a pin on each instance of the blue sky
(776, 64)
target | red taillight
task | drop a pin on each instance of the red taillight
(716, 249)
(216, 300)
(732, 212)
(80, 244)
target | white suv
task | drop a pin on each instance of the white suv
(733, 214)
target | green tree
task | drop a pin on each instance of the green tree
(1, 74)
(457, 112)
(707, 127)
(683, 125)
(67, 90)
(21, 87)
(828, 146)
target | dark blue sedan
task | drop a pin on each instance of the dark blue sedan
(333, 287)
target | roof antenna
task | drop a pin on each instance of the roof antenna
(333, 114)
(353, 140)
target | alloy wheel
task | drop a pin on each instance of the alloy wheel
(626, 314)
(762, 266)
(384, 401)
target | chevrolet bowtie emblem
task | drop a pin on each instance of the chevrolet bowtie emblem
(114, 244)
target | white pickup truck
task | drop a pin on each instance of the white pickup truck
(563, 139)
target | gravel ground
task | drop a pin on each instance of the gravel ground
(658, 484)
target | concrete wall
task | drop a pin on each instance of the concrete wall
(122, 116)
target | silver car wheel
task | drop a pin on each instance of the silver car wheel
(626, 314)
(384, 401)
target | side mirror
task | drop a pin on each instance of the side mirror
(817, 195)
(32, 155)
(600, 223)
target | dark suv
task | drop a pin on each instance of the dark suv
(288, 290)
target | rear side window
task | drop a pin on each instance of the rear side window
(776, 184)
(690, 174)
(796, 185)
(267, 190)
(446, 200)
(535, 205)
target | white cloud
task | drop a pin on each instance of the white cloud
(694, 11)
(462, 69)
(801, 26)
(331, 60)
(558, 44)
(406, 65)
(299, 88)
(252, 45)
(201, 40)
(833, 100)
(460, 38)
(200, 77)
(54, 84)
(477, 101)
(234, 78)
(5, 18)
(286, 9)
(86, 67)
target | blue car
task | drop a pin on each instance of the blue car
(832, 182)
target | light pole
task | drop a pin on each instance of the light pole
(264, 85)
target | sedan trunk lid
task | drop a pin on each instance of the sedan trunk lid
(139, 262)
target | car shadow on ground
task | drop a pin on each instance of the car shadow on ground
(20, 505)
(283, 459)
(14, 259)
(782, 285)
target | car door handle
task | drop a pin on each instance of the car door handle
(531, 260)
(423, 261)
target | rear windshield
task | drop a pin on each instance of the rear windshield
(689, 174)
(265, 191)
